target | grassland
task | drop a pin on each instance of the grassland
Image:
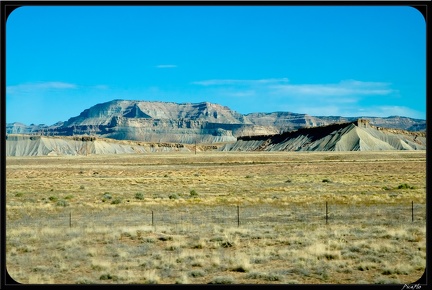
(370, 237)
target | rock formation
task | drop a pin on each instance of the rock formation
(188, 123)
(30, 145)
(354, 136)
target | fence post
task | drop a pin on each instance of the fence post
(326, 213)
(412, 211)
(70, 219)
(238, 216)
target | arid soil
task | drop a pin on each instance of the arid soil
(172, 218)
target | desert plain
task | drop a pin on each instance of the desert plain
(217, 217)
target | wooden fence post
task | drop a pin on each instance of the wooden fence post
(412, 211)
(238, 216)
(326, 213)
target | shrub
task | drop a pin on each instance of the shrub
(108, 277)
(152, 278)
(149, 240)
(364, 267)
(326, 180)
(52, 198)
(197, 273)
(62, 202)
(405, 186)
(69, 196)
(241, 267)
(19, 194)
(173, 196)
(193, 193)
(222, 280)
(139, 195)
(182, 280)
(116, 201)
(272, 277)
(84, 281)
(254, 275)
(106, 196)
(82, 187)
(227, 244)
(199, 244)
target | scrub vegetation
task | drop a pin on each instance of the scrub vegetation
(110, 201)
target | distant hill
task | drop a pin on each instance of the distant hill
(188, 123)
(354, 136)
(30, 145)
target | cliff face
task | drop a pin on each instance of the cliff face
(188, 122)
(102, 114)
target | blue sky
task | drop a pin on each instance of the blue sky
(344, 61)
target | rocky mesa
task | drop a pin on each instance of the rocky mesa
(189, 123)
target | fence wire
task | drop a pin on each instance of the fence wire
(242, 215)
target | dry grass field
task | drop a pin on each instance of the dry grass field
(88, 219)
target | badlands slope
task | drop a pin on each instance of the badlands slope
(26, 145)
(354, 136)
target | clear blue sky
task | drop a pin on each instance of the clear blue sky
(344, 61)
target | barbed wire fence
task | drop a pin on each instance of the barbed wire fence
(228, 215)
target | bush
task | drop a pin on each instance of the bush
(106, 196)
(62, 203)
(19, 194)
(326, 180)
(197, 273)
(405, 186)
(52, 198)
(241, 268)
(264, 276)
(173, 196)
(84, 281)
(116, 201)
(108, 277)
(254, 275)
(193, 193)
(139, 195)
(222, 280)
(272, 277)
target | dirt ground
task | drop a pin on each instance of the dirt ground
(216, 217)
